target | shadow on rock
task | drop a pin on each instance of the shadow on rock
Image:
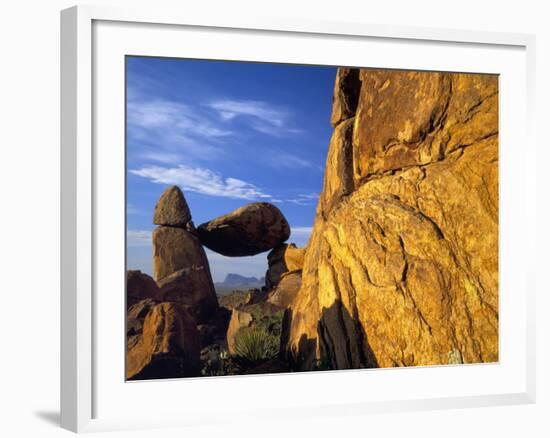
(341, 343)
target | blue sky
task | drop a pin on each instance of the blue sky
(227, 133)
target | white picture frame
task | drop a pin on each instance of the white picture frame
(82, 377)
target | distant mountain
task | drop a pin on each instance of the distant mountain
(238, 282)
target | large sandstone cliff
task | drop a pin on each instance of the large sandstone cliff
(402, 265)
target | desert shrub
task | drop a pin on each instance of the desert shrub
(254, 345)
(269, 321)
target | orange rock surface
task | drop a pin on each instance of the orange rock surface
(402, 265)
(168, 347)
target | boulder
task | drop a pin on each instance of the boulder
(172, 209)
(136, 314)
(239, 319)
(191, 287)
(168, 347)
(402, 265)
(283, 258)
(286, 289)
(179, 262)
(175, 249)
(140, 286)
(249, 230)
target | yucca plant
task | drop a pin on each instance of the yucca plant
(254, 345)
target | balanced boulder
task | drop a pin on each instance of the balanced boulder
(180, 265)
(175, 249)
(249, 230)
(172, 209)
(175, 243)
(168, 347)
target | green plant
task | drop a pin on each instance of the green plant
(267, 320)
(254, 345)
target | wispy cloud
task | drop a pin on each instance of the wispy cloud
(304, 199)
(166, 129)
(279, 159)
(204, 181)
(172, 132)
(136, 238)
(261, 116)
(229, 109)
(184, 119)
(161, 156)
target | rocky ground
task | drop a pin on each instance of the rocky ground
(401, 268)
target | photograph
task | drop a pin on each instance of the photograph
(232, 218)
(288, 218)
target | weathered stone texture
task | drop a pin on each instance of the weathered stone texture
(239, 319)
(288, 286)
(175, 249)
(140, 286)
(172, 209)
(346, 94)
(169, 346)
(402, 265)
(282, 259)
(191, 287)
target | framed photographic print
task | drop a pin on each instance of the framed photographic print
(334, 214)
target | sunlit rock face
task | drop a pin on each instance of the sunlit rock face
(168, 346)
(282, 259)
(191, 287)
(172, 209)
(402, 265)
